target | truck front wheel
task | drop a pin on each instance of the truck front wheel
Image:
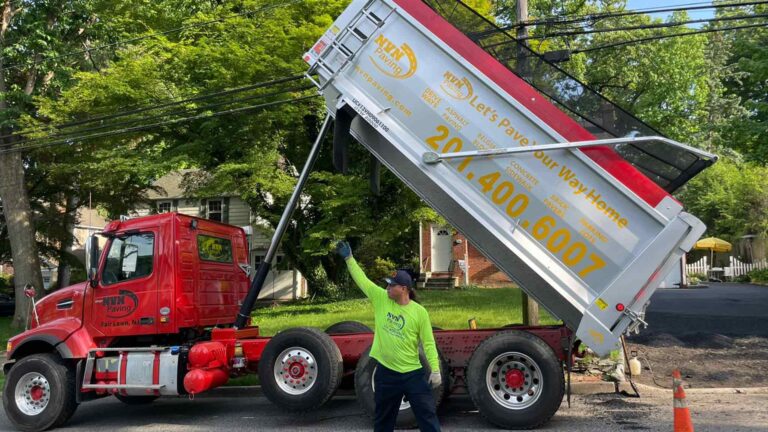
(515, 380)
(39, 393)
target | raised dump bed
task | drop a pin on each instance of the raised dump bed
(580, 228)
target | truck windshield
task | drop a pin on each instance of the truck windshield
(669, 167)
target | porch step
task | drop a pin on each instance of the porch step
(436, 283)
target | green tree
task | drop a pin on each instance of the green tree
(731, 198)
(256, 154)
(748, 81)
(33, 39)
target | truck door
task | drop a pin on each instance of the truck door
(125, 299)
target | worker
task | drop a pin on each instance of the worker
(401, 324)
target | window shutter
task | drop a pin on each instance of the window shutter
(203, 208)
(175, 205)
(225, 210)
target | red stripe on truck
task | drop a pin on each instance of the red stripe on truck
(535, 102)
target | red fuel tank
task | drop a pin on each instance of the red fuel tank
(199, 380)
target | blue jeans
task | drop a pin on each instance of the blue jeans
(391, 386)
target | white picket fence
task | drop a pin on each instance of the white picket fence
(735, 269)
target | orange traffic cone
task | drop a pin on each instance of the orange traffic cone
(682, 414)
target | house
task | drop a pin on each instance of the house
(448, 259)
(282, 283)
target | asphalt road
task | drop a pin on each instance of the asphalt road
(736, 310)
(596, 412)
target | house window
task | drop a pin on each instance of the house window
(164, 207)
(215, 211)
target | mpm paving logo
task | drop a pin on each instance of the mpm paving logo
(455, 87)
(392, 60)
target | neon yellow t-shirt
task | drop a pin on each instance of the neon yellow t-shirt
(398, 328)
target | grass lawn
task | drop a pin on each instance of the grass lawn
(448, 310)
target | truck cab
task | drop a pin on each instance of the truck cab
(158, 280)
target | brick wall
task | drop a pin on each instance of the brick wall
(425, 257)
(481, 270)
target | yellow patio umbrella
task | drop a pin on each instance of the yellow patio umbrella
(713, 244)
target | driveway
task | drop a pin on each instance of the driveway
(716, 336)
(736, 310)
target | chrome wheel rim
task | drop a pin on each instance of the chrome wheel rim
(514, 380)
(295, 370)
(32, 393)
(404, 404)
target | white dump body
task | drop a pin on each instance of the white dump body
(580, 230)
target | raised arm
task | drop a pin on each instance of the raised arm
(370, 289)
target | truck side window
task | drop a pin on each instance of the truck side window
(214, 249)
(129, 257)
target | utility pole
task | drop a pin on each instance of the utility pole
(530, 307)
(522, 37)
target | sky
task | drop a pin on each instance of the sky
(694, 14)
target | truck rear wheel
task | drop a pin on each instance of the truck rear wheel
(348, 327)
(39, 392)
(300, 368)
(365, 390)
(515, 380)
(348, 380)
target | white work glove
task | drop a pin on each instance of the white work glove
(435, 379)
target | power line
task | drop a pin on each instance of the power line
(165, 123)
(195, 98)
(648, 39)
(69, 135)
(640, 27)
(136, 39)
(559, 20)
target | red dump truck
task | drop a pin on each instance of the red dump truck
(586, 226)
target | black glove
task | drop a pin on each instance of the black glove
(343, 249)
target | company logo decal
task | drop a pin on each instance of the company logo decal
(120, 305)
(455, 87)
(392, 60)
(397, 321)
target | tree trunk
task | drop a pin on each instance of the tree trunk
(21, 233)
(18, 213)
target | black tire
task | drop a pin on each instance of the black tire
(49, 376)
(364, 390)
(313, 360)
(136, 400)
(530, 362)
(348, 327)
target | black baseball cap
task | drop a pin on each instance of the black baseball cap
(401, 277)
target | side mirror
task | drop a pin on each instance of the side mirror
(92, 258)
